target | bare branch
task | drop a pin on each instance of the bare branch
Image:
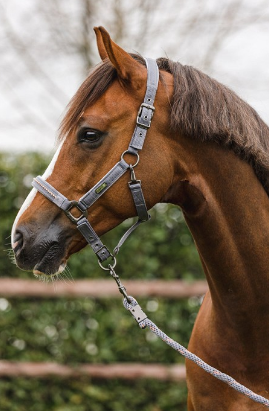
(33, 66)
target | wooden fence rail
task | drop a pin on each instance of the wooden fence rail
(10, 287)
(126, 371)
(15, 288)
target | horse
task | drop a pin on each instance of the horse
(207, 151)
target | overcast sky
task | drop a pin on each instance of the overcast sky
(34, 93)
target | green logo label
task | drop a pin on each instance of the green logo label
(100, 188)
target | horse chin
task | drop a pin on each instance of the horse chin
(41, 274)
(53, 262)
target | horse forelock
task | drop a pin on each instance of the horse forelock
(93, 87)
(88, 93)
(201, 108)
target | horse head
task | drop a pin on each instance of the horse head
(95, 132)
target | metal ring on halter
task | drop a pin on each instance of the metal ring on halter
(114, 261)
(77, 205)
(134, 154)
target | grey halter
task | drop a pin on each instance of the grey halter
(143, 123)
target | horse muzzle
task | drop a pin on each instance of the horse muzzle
(43, 254)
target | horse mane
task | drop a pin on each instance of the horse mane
(201, 108)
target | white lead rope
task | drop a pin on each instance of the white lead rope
(132, 305)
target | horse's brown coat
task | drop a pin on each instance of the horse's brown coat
(193, 158)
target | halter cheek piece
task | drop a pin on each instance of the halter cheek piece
(143, 123)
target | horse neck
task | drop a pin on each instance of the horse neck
(227, 211)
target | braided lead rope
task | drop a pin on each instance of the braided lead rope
(146, 322)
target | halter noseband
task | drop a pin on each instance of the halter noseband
(143, 123)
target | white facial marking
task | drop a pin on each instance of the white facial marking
(51, 165)
(25, 205)
(33, 192)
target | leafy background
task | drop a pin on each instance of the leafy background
(73, 331)
(47, 48)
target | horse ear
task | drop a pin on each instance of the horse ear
(127, 68)
(100, 44)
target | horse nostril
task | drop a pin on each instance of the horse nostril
(18, 241)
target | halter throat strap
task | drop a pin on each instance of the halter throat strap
(143, 123)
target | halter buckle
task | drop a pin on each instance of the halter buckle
(145, 121)
(75, 204)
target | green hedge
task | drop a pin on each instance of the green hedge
(83, 330)
(83, 394)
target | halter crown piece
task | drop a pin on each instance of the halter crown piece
(143, 123)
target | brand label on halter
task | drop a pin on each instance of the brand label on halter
(100, 188)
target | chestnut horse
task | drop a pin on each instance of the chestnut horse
(207, 152)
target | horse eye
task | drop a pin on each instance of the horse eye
(91, 137)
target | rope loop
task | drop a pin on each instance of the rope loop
(129, 304)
